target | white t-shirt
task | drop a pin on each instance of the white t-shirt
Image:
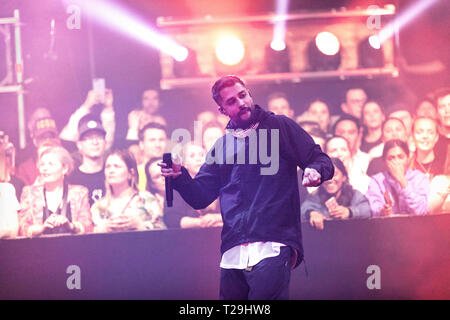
(248, 255)
(9, 221)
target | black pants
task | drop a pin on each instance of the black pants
(268, 280)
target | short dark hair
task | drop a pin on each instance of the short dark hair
(346, 116)
(395, 143)
(151, 125)
(373, 101)
(392, 118)
(317, 132)
(325, 147)
(401, 106)
(224, 82)
(338, 164)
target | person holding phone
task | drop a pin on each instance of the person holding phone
(107, 116)
(335, 199)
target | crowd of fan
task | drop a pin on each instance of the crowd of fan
(389, 161)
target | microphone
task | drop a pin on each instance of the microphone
(167, 159)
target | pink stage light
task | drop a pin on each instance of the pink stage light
(120, 19)
(230, 50)
(279, 29)
(327, 43)
(404, 18)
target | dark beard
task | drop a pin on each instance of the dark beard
(245, 124)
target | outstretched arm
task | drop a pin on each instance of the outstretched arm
(199, 192)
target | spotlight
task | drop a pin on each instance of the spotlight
(327, 43)
(230, 54)
(230, 50)
(370, 53)
(278, 45)
(188, 67)
(324, 52)
(277, 60)
(374, 42)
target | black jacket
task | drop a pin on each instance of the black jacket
(257, 207)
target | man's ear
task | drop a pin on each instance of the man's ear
(221, 110)
(344, 107)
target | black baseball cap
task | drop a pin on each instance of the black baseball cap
(89, 123)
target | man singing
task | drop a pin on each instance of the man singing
(261, 235)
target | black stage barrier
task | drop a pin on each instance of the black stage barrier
(391, 258)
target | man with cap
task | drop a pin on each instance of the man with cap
(91, 145)
(43, 133)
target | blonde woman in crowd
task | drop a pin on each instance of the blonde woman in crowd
(54, 206)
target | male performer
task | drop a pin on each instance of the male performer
(261, 236)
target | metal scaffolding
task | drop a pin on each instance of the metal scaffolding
(8, 84)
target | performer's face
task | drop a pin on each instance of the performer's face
(237, 104)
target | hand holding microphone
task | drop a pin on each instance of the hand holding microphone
(169, 170)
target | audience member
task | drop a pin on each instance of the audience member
(398, 190)
(392, 128)
(442, 148)
(355, 98)
(349, 127)
(107, 116)
(39, 113)
(308, 125)
(439, 201)
(278, 103)
(92, 146)
(8, 164)
(372, 118)
(335, 199)
(181, 215)
(44, 133)
(319, 112)
(404, 113)
(156, 184)
(318, 136)
(426, 108)
(207, 117)
(9, 223)
(54, 206)
(211, 132)
(138, 118)
(9, 206)
(338, 147)
(425, 135)
(152, 144)
(124, 207)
